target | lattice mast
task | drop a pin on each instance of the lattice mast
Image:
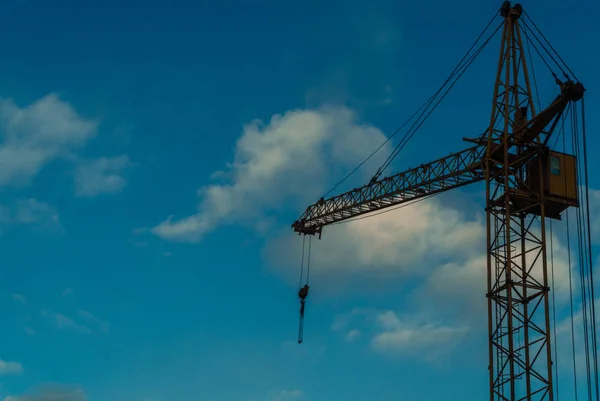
(519, 342)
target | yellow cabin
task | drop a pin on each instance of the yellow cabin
(560, 181)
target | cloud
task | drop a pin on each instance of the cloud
(413, 338)
(594, 213)
(413, 335)
(65, 323)
(35, 135)
(571, 334)
(31, 212)
(464, 281)
(139, 244)
(86, 323)
(101, 325)
(51, 393)
(353, 335)
(405, 241)
(289, 162)
(103, 175)
(388, 96)
(286, 395)
(434, 254)
(10, 368)
(276, 166)
(343, 320)
(439, 245)
(19, 298)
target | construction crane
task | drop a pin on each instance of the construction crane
(527, 185)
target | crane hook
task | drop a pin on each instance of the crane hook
(302, 294)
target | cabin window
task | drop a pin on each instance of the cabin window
(554, 165)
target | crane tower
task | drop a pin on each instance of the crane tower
(527, 183)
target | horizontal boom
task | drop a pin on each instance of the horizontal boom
(453, 171)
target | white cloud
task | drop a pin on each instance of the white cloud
(51, 393)
(463, 281)
(388, 96)
(286, 395)
(353, 335)
(100, 324)
(594, 212)
(139, 244)
(46, 130)
(413, 335)
(414, 338)
(65, 323)
(31, 212)
(342, 321)
(405, 241)
(285, 163)
(86, 322)
(289, 162)
(8, 368)
(103, 175)
(35, 135)
(19, 298)
(442, 245)
(443, 256)
(572, 332)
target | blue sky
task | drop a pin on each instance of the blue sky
(115, 116)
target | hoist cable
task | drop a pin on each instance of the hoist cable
(308, 260)
(543, 46)
(302, 261)
(410, 134)
(571, 292)
(300, 285)
(580, 245)
(412, 129)
(586, 270)
(535, 85)
(562, 128)
(301, 316)
(572, 309)
(554, 308)
(460, 65)
(554, 321)
(589, 244)
(587, 279)
(561, 134)
(301, 329)
(551, 47)
(583, 258)
(536, 49)
(426, 104)
(380, 146)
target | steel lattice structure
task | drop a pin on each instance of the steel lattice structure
(512, 157)
(515, 296)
